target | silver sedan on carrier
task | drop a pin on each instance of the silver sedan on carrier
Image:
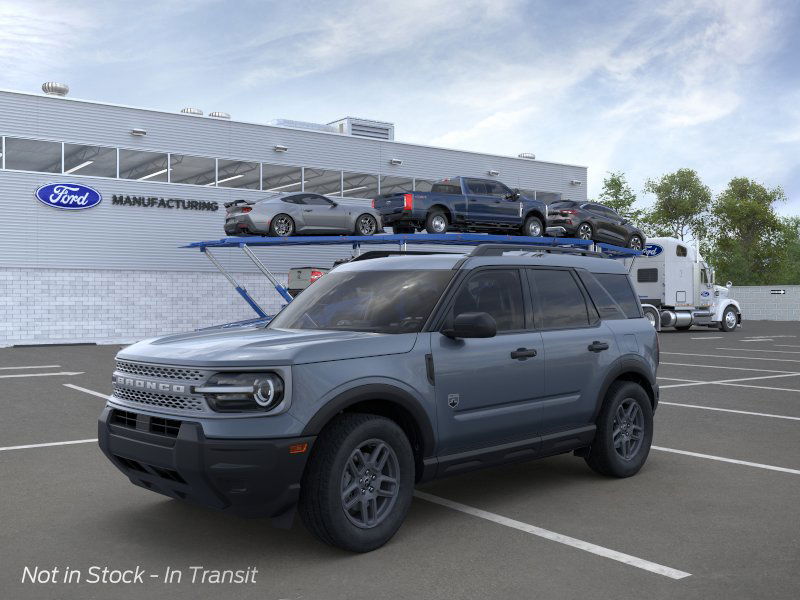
(300, 213)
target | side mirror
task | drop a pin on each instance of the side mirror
(472, 325)
(334, 204)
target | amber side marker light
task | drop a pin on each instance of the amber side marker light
(298, 448)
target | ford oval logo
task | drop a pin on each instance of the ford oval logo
(652, 250)
(68, 196)
(705, 294)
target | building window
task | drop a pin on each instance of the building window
(144, 166)
(359, 185)
(238, 174)
(97, 161)
(280, 178)
(396, 185)
(33, 155)
(194, 170)
(321, 181)
(423, 185)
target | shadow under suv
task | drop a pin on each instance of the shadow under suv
(387, 373)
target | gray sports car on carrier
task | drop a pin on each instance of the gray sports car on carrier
(300, 213)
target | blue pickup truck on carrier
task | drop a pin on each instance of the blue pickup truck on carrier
(463, 204)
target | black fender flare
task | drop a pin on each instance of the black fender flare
(376, 392)
(623, 366)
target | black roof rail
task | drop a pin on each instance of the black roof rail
(499, 249)
(385, 253)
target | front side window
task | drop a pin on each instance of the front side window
(316, 200)
(497, 292)
(33, 155)
(619, 287)
(495, 188)
(477, 187)
(375, 301)
(560, 301)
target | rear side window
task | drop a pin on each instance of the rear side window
(605, 304)
(446, 187)
(619, 287)
(559, 300)
(647, 275)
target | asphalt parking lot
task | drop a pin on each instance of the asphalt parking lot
(713, 514)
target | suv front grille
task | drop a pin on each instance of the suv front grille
(124, 366)
(162, 400)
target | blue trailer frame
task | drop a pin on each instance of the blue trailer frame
(401, 240)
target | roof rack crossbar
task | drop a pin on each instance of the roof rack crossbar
(499, 249)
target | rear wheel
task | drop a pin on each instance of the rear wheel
(358, 485)
(585, 231)
(729, 320)
(281, 226)
(366, 224)
(533, 227)
(624, 431)
(436, 222)
(635, 242)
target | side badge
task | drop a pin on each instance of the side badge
(452, 400)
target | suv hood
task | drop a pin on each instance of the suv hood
(256, 346)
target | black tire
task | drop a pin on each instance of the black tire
(584, 231)
(276, 225)
(321, 505)
(433, 223)
(533, 227)
(603, 456)
(683, 327)
(400, 229)
(636, 242)
(366, 225)
(729, 323)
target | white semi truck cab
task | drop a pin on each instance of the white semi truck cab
(676, 288)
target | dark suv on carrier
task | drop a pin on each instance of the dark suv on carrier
(386, 373)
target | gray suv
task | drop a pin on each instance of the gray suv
(387, 373)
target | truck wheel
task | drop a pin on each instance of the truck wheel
(729, 321)
(358, 484)
(533, 227)
(436, 222)
(624, 431)
(281, 226)
(366, 225)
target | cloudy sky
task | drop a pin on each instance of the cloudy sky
(641, 87)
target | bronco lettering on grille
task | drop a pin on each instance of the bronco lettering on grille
(150, 385)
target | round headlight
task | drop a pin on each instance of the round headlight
(243, 392)
(268, 391)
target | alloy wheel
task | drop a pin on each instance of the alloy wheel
(628, 429)
(439, 223)
(366, 225)
(534, 228)
(282, 226)
(370, 483)
(585, 231)
(635, 243)
(730, 319)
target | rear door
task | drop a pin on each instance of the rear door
(484, 395)
(578, 348)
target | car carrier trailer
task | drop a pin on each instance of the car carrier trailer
(508, 242)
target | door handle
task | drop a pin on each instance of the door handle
(308, 210)
(523, 353)
(596, 346)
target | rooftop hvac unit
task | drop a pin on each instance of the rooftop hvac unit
(527, 155)
(51, 88)
(302, 125)
(219, 115)
(377, 130)
(192, 111)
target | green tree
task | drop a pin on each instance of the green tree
(749, 243)
(617, 194)
(681, 206)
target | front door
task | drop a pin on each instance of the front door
(324, 215)
(487, 389)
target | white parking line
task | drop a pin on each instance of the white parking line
(758, 340)
(40, 374)
(723, 367)
(726, 381)
(710, 337)
(761, 387)
(739, 357)
(556, 537)
(81, 389)
(759, 350)
(787, 345)
(727, 460)
(31, 367)
(730, 410)
(69, 443)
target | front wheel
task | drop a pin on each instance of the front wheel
(635, 243)
(624, 431)
(585, 231)
(533, 227)
(729, 320)
(281, 226)
(358, 484)
(366, 225)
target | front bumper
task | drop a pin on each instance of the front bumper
(252, 477)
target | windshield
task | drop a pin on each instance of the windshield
(376, 301)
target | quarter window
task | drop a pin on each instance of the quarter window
(497, 292)
(33, 155)
(619, 287)
(560, 300)
(606, 306)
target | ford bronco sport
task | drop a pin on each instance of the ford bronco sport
(387, 373)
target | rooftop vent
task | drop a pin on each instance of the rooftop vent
(51, 88)
(302, 125)
(377, 130)
(219, 115)
(192, 111)
(527, 155)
